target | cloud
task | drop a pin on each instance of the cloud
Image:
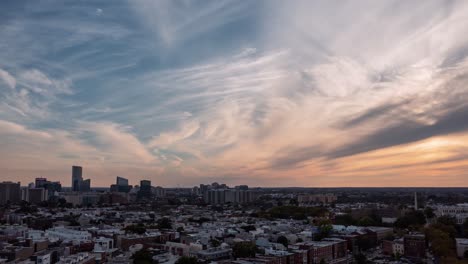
(181, 91)
(116, 142)
(8, 79)
(37, 82)
(32, 95)
(174, 22)
(408, 132)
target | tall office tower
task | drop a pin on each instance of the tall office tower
(53, 188)
(35, 195)
(77, 178)
(85, 185)
(40, 182)
(121, 185)
(145, 189)
(122, 181)
(10, 192)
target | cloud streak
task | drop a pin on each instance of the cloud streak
(186, 91)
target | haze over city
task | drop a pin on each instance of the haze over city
(264, 93)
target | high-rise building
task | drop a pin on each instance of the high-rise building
(121, 181)
(77, 178)
(85, 185)
(78, 184)
(121, 185)
(34, 195)
(40, 182)
(10, 192)
(53, 188)
(145, 190)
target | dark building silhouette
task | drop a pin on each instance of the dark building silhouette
(78, 184)
(51, 187)
(77, 178)
(145, 190)
(10, 192)
(85, 186)
(40, 182)
(35, 195)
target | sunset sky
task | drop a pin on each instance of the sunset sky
(264, 93)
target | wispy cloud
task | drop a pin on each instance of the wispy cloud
(182, 91)
(8, 79)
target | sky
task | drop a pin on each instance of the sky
(266, 93)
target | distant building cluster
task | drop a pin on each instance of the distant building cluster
(45, 223)
(216, 194)
(316, 198)
(80, 192)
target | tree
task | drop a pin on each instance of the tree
(465, 228)
(295, 212)
(364, 243)
(282, 240)
(345, 219)
(164, 223)
(248, 228)
(324, 228)
(449, 225)
(187, 260)
(142, 257)
(429, 212)
(411, 219)
(442, 245)
(447, 220)
(244, 250)
(215, 243)
(136, 229)
(360, 258)
(366, 221)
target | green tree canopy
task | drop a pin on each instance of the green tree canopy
(164, 223)
(244, 250)
(142, 257)
(187, 260)
(282, 240)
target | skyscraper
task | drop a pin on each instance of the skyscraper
(122, 181)
(35, 195)
(78, 184)
(51, 187)
(121, 185)
(85, 185)
(145, 190)
(10, 192)
(40, 182)
(77, 178)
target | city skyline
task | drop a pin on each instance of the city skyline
(263, 93)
